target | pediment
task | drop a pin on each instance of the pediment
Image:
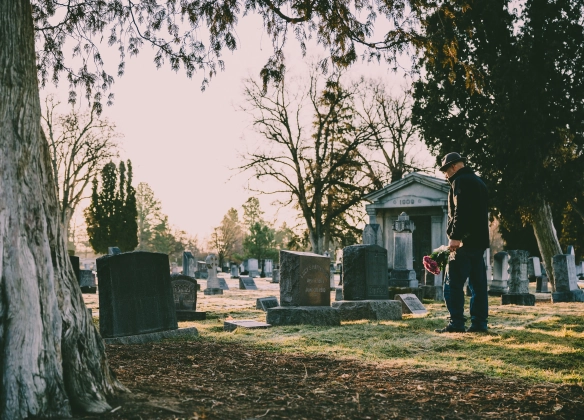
(415, 186)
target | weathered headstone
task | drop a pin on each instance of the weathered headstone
(266, 303)
(135, 294)
(411, 304)
(268, 267)
(304, 291)
(234, 271)
(251, 267)
(500, 274)
(189, 264)
(87, 281)
(403, 274)
(365, 268)
(214, 286)
(372, 235)
(247, 283)
(184, 290)
(533, 268)
(232, 325)
(75, 263)
(201, 272)
(567, 289)
(541, 285)
(113, 250)
(275, 275)
(518, 282)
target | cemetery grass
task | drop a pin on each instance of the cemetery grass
(530, 365)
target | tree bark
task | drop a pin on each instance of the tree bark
(52, 358)
(547, 238)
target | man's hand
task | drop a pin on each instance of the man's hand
(454, 245)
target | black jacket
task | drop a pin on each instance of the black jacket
(468, 217)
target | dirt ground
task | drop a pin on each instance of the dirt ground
(203, 379)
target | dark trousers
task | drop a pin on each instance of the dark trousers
(468, 263)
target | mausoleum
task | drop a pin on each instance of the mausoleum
(424, 199)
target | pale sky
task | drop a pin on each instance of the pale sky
(183, 142)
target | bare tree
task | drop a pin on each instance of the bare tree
(318, 167)
(80, 144)
(395, 138)
(226, 238)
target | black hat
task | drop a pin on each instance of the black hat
(449, 159)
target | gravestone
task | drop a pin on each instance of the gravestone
(266, 303)
(411, 304)
(113, 250)
(189, 264)
(234, 271)
(541, 285)
(338, 293)
(87, 281)
(135, 294)
(372, 235)
(304, 291)
(365, 293)
(75, 263)
(533, 268)
(403, 274)
(184, 289)
(201, 271)
(567, 289)
(251, 267)
(268, 267)
(247, 283)
(518, 282)
(365, 272)
(214, 286)
(232, 325)
(500, 274)
(275, 275)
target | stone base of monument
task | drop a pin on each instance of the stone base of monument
(498, 288)
(418, 291)
(155, 336)
(244, 323)
(571, 296)
(523, 299)
(374, 310)
(183, 315)
(304, 315)
(433, 293)
(88, 289)
(213, 291)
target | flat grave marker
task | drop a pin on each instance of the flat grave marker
(411, 304)
(247, 283)
(266, 303)
(244, 323)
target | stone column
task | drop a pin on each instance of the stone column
(518, 282)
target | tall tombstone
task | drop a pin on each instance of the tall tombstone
(372, 235)
(567, 289)
(135, 294)
(252, 267)
(189, 264)
(214, 286)
(268, 267)
(403, 274)
(304, 291)
(500, 274)
(365, 268)
(518, 282)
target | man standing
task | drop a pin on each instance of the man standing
(468, 233)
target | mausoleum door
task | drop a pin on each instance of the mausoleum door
(421, 242)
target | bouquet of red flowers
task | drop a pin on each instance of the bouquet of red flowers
(436, 260)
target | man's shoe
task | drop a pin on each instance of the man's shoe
(451, 329)
(475, 329)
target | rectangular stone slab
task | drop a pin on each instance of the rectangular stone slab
(243, 323)
(304, 315)
(374, 310)
(266, 303)
(135, 294)
(365, 273)
(247, 283)
(411, 304)
(304, 279)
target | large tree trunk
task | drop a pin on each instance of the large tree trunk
(547, 238)
(52, 358)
